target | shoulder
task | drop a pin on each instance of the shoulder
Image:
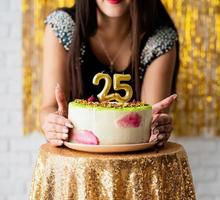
(63, 26)
(162, 41)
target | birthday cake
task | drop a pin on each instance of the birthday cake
(109, 123)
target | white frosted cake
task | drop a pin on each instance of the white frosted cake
(109, 123)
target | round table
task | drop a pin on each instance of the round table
(65, 174)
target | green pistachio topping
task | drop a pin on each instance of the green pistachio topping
(131, 106)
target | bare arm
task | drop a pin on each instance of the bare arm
(55, 70)
(156, 87)
(158, 78)
(53, 116)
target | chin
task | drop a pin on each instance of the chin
(114, 8)
(115, 14)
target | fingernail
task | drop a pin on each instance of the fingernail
(69, 125)
(60, 142)
(175, 96)
(160, 137)
(156, 124)
(58, 85)
(156, 132)
(65, 136)
(160, 144)
(65, 130)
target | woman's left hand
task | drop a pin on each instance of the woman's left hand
(161, 126)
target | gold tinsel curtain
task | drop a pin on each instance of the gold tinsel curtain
(198, 109)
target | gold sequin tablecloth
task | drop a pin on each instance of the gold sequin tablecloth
(64, 174)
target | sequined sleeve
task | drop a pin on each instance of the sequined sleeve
(161, 42)
(62, 25)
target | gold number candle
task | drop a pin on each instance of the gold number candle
(122, 86)
(117, 85)
(103, 95)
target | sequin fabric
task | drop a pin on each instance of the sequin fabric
(159, 43)
(63, 27)
(61, 173)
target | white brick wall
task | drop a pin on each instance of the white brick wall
(18, 153)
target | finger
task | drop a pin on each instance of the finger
(51, 127)
(155, 117)
(163, 119)
(58, 119)
(153, 138)
(164, 104)
(164, 128)
(56, 142)
(160, 144)
(57, 136)
(163, 136)
(61, 101)
(160, 137)
(161, 140)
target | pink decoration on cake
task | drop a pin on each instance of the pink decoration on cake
(132, 120)
(84, 137)
(92, 99)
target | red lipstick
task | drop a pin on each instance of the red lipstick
(114, 1)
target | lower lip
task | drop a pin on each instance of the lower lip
(114, 1)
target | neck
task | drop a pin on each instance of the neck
(110, 27)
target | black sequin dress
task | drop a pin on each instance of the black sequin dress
(63, 25)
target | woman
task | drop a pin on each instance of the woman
(135, 37)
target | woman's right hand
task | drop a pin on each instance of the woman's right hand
(56, 126)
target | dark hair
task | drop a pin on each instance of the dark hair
(146, 17)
